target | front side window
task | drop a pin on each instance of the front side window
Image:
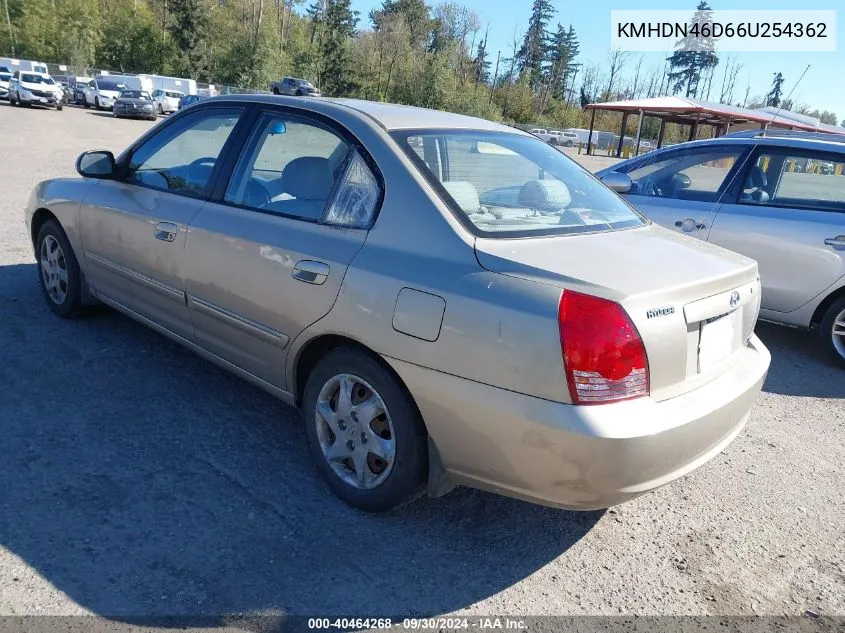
(696, 174)
(301, 169)
(181, 157)
(796, 179)
(504, 184)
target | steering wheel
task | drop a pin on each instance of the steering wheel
(202, 161)
(256, 194)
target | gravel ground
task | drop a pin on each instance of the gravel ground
(139, 480)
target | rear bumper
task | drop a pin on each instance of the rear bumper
(578, 457)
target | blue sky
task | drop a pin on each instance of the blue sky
(823, 86)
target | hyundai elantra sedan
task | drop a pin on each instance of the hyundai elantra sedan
(449, 301)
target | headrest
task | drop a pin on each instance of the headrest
(465, 194)
(544, 194)
(756, 178)
(308, 178)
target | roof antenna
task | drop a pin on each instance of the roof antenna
(784, 100)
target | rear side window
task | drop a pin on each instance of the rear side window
(504, 184)
(181, 157)
(796, 179)
(299, 168)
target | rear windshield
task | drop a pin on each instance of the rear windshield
(174, 95)
(5, 76)
(509, 185)
(110, 84)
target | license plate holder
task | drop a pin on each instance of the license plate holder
(717, 340)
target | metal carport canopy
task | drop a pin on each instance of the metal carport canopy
(688, 111)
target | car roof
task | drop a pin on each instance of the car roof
(390, 116)
(808, 141)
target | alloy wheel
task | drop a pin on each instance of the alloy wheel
(355, 431)
(838, 333)
(54, 270)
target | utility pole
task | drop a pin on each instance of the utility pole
(9, 22)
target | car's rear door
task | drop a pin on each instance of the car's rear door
(134, 227)
(264, 260)
(787, 211)
(679, 189)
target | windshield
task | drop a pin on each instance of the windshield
(174, 95)
(36, 79)
(110, 84)
(509, 185)
(5, 76)
(135, 94)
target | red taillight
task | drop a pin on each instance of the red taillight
(603, 353)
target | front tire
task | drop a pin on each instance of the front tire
(58, 271)
(97, 103)
(364, 431)
(832, 331)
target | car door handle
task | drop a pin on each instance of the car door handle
(165, 231)
(839, 240)
(688, 224)
(311, 272)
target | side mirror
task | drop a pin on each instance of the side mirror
(680, 181)
(619, 182)
(96, 164)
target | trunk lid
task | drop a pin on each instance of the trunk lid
(693, 303)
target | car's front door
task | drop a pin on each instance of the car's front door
(787, 211)
(267, 259)
(679, 189)
(133, 227)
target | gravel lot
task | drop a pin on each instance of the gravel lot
(140, 480)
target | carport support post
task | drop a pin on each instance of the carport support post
(639, 133)
(693, 130)
(622, 134)
(660, 133)
(590, 135)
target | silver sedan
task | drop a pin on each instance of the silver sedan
(447, 300)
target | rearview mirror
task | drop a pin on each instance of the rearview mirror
(96, 164)
(619, 182)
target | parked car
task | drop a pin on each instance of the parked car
(768, 196)
(79, 92)
(5, 76)
(294, 87)
(103, 90)
(32, 88)
(134, 104)
(187, 100)
(166, 101)
(567, 139)
(561, 349)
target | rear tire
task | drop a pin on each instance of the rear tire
(348, 436)
(58, 271)
(832, 331)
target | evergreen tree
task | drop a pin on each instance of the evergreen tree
(314, 13)
(481, 63)
(563, 50)
(189, 30)
(774, 95)
(339, 27)
(694, 54)
(532, 55)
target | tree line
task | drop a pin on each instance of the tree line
(405, 51)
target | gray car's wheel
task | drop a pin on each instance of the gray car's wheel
(832, 331)
(58, 270)
(97, 103)
(364, 431)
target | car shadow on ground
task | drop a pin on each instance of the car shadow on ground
(142, 481)
(800, 366)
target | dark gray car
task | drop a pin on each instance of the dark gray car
(136, 104)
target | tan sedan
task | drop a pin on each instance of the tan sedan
(448, 300)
